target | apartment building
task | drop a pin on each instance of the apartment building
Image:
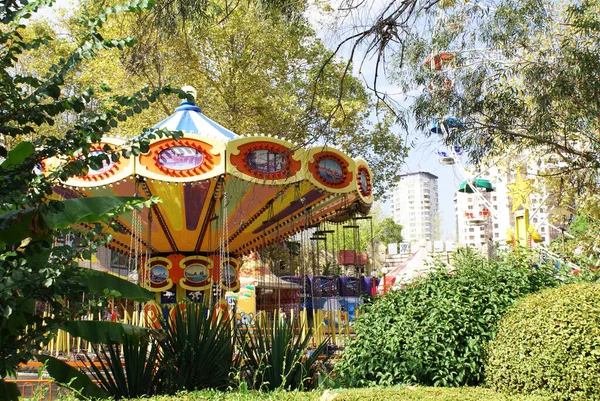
(415, 205)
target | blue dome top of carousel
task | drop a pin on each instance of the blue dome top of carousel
(188, 118)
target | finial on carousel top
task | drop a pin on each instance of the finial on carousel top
(189, 105)
(191, 90)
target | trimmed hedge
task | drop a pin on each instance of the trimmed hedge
(434, 332)
(549, 343)
(365, 394)
(428, 394)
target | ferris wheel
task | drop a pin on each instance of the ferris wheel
(446, 64)
(473, 184)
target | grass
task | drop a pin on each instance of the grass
(407, 393)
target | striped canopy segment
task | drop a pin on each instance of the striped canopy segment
(222, 193)
(188, 118)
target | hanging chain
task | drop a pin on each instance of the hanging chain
(228, 278)
(223, 247)
(142, 271)
(135, 240)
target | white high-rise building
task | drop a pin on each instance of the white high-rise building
(415, 206)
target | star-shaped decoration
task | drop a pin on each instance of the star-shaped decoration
(520, 191)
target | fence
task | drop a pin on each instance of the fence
(335, 325)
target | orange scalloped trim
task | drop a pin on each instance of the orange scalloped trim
(314, 170)
(363, 169)
(150, 160)
(108, 173)
(240, 160)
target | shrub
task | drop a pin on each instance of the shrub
(435, 330)
(137, 374)
(198, 348)
(276, 357)
(549, 343)
(403, 393)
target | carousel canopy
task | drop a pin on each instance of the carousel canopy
(224, 193)
(189, 118)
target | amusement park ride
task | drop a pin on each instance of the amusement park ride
(445, 64)
(224, 196)
(482, 213)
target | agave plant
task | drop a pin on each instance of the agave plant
(198, 348)
(137, 375)
(140, 359)
(276, 357)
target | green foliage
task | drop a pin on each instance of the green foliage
(137, 374)
(355, 394)
(522, 77)
(65, 374)
(17, 225)
(124, 371)
(434, 331)
(9, 391)
(580, 245)
(388, 232)
(38, 268)
(424, 393)
(103, 332)
(549, 343)
(193, 349)
(579, 226)
(98, 282)
(275, 357)
(198, 349)
(257, 71)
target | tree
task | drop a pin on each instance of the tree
(38, 268)
(519, 75)
(257, 71)
(530, 87)
(388, 232)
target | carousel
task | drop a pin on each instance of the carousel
(223, 197)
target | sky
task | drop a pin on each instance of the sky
(421, 157)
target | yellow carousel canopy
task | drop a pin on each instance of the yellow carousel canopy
(222, 191)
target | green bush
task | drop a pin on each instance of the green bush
(198, 349)
(275, 357)
(435, 330)
(361, 394)
(549, 343)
